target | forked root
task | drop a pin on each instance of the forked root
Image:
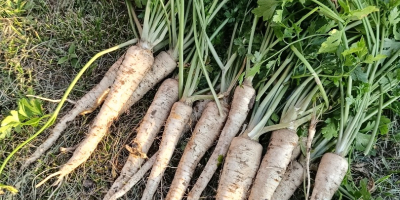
(163, 65)
(49, 177)
(290, 182)
(89, 101)
(135, 178)
(97, 103)
(150, 126)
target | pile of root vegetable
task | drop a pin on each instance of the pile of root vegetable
(269, 88)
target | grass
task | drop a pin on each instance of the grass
(38, 43)
(35, 36)
(382, 169)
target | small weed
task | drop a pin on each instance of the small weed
(28, 113)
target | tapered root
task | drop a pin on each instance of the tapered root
(179, 116)
(135, 178)
(89, 101)
(240, 167)
(163, 65)
(330, 174)
(205, 133)
(292, 179)
(150, 126)
(274, 164)
(136, 63)
(241, 104)
(48, 178)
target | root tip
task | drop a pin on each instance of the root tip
(48, 178)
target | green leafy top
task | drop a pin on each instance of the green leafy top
(266, 8)
(28, 113)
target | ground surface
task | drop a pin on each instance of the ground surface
(35, 35)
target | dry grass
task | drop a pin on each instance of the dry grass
(33, 40)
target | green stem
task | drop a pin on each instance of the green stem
(202, 65)
(289, 125)
(377, 123)
(383, 69)
(272, 79)
(321, 148)
(253, 28)
(216, 11)
(289, 45)
(167, 16)
(366, 23)
(211, 47)
(295, 95)
(193, 80)
(212, 7)
(266, 102)
(386, 104)
(332, 14)
(64, 98)
(342, 121)
(348, 94)
(344, 37)
(353, 136)
(199, 97)
(219, 29)
(157, 34)
(146, 25)
(352, 25)
(254, 133)
(181, 16)
(267, 37)
(173, 24)
(224, 71)
(317, 80)
(307, 15)
(130, 9)
(207, 89)
(232, 39)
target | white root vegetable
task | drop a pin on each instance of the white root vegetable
(163, 65)
(330, 174)
(174, 127)
(89, 101)
(196, 114)
(241, 166)
(311, 133)
(150, 126)
(135, 178)
(205, 133)
(274, 164)
(136, 63)
(240, 106)
(294, 175)
(292, 179)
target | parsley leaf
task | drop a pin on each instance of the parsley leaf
(265, 8)
(332, 43)
(330, 130)
(358, 74)
(362, 141)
